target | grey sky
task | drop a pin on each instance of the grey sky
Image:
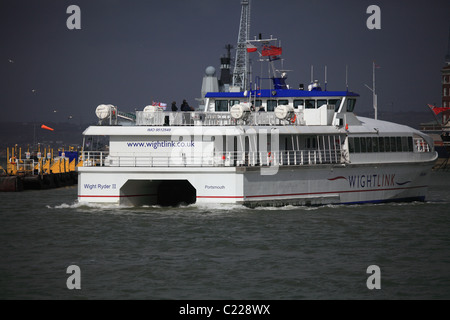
(130, 53)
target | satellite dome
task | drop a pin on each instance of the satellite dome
(210, 71)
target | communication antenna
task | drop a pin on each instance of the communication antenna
(241, 62)
(447, 56)
(375, 97)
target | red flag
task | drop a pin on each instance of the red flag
(268, 51)
(251, 48)
(438, 110)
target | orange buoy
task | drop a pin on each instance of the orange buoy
(46, 128)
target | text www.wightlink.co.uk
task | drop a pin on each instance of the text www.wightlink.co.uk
(161, 144)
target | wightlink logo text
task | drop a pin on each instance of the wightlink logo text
(371, 180)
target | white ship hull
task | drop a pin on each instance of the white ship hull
(297, 185)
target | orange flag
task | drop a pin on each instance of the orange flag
(47, 128)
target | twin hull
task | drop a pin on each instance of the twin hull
(255, 186)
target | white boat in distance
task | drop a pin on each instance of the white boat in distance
(273, 146)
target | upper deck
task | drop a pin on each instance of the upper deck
(281, 107)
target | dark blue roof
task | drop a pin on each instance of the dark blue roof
(283, 93)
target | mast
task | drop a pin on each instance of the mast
(241, 63)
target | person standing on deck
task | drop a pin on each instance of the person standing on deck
(186, 116)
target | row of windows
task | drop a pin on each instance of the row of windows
(271, 104)
(380, 144)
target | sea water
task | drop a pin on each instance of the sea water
(223, 251)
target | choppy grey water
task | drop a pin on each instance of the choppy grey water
(223, 252)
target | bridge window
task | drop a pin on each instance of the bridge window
(336, 103)
(221, 105)
(310, 104)
(321, 103)
(351, 105)
(271, 105)
(299, 103)
(233, 102)
(283, 102)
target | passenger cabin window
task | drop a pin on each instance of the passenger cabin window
(357, 145)
(311, 142)
(380, 144)
(375, 147)
(363, 145)
(258, 103)
(221, 105)
(387, 144)
(351, 145)
(369, 144)
(351, 105)
(283, 102)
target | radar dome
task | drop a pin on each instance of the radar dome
(210, 71)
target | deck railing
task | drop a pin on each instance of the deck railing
(201, 118)
(225, 159)
(422, 145)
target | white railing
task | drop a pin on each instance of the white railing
(200, 118)
(226, 159)
(422, 145)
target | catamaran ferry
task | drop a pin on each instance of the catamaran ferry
(274, 146)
